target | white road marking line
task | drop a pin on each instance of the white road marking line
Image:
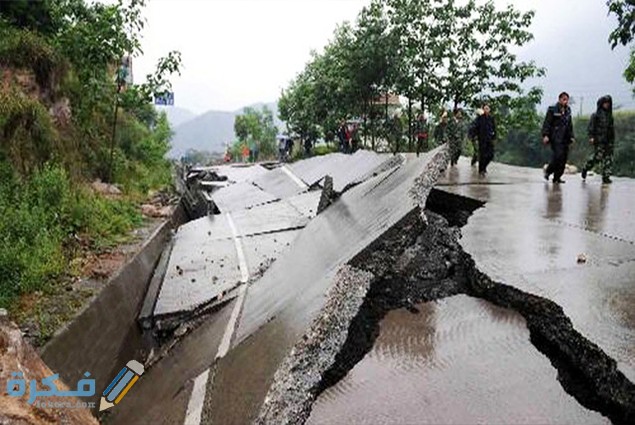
(242, 263)
(224, 346)
(197, 398)
(293, 177)
(195, 406)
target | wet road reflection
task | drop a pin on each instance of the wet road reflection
(531, 233)
(460, 360)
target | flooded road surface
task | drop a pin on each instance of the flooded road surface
(530, 235)
(459, 360)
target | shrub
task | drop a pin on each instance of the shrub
(42, 215)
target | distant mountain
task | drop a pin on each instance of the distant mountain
(211, 131)
(177, 116)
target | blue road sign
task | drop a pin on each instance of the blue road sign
(166, 99)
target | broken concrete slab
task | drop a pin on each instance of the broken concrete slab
(262, 250)
(240, 196)
(280, 307)
(205, 263)
(197, 273)
(205, 229)
(280, 183)
(345, 169)
(238, 173)
(273, 217)
(306, 203)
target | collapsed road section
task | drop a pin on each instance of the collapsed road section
(378, 311)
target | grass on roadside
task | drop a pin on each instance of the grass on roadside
(43, 221)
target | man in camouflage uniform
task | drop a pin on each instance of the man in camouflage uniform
(602, 136)
(440, 131)
(455, 136)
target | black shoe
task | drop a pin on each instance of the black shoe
(583, 173)
(606, 180)
(559, 181)
(546, 175)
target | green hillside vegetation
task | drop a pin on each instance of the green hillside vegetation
(59, 90)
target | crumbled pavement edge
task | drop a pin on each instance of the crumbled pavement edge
(291, 395)
(299, 377)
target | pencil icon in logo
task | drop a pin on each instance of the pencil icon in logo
(122, 383)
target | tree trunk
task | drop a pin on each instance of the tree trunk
(410, 124)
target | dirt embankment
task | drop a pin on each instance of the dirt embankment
(17, 356)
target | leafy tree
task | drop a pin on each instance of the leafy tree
(624, 34)
(256, 127)
(402, 46)
(36, 15)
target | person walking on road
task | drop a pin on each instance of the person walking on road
(557, 131)
(602, 136)
(422, 133)
(456, 134)
(485, 130)
(471, 134)
(441, 130)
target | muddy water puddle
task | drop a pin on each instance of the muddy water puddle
(458, 360)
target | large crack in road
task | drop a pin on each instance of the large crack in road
(419, 261)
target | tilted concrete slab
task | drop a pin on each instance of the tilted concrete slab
(204, 263)
(273, 217)
(240, 196)
(345, 169)
(530, 234)
(261, 250)
(281, 305)
(280, 183)
(306, 203)
(197, 273)
(239, 173)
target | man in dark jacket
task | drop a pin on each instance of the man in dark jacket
(485, 131)
(557, 131)
(602, 137)
(471, 134)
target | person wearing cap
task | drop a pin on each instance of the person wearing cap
(602, 136)
(557, 131)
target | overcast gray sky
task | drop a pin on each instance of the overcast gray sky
(239, 52)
